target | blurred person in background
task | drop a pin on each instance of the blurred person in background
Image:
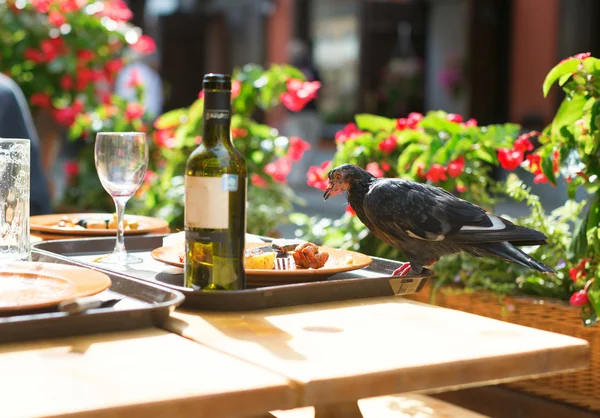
(305, 124)
(141, 70)
(16, 122)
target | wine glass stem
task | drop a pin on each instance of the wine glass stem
(120, 203)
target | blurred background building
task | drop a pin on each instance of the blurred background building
(484, 59)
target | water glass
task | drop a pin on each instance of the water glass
(14, 200)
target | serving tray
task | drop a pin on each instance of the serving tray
(142, 304)
(372, 281)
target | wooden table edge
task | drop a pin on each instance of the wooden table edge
(572, 358)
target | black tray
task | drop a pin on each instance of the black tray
(372, 281)
(142, 305)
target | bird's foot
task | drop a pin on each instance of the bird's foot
(403, 270)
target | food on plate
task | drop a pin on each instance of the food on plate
(96, 223)
(260, 258)
(307, 255)
(285, 245)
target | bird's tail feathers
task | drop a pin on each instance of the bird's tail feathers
(518, 235)
(508, 252)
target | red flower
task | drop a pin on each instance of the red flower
(540, 179)
(85, 55)
(385, 166)
(523, 144)
(420, 171)
(389, 144)
(236, 88)
(299, 93)
(556, 161)
(85, 76)
(413, 119)
(134, 110)
(56, 18)
(456, 167)
(165, 138)
(297, 148)
(34, 55)
(112, 67)
(145, 45)
(350, 131)
(135, 79)
(238, 133)
(52, 48)
(471, 123)
(461, 188)
(453, 117)
(509, 159)
(581, 56)
(374, 169)
(116, 10)
(350, 210)
(71, 5)
(401, 124)
(579, 298)
(317, 176)
(64, 116)
(436, 173)
(40, 100)
(201, 94)
(71, 168)
(258, 181)
(66, 82)
(279, 169)
(41, 6)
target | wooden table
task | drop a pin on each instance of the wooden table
(139, 374)
(245, 364)
(337, 353)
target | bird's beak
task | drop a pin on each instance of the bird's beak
(331, 190)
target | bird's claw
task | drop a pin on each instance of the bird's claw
(403, 270)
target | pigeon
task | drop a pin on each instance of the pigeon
(426, 222)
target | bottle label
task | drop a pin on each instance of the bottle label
(230, 182)
(217, 116)
(206, 202)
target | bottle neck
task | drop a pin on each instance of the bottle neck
(217, 118)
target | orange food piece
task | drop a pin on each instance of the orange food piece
(307, 255)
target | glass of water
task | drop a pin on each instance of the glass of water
(14, 200)
(121, 162)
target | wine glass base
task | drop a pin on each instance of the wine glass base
(119, 258)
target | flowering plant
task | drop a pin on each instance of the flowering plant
(65, 54)
(175, 134)
(568, 147)
(440, 148)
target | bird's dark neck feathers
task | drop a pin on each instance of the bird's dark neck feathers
(357, 191)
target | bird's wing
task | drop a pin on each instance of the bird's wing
(420, 211)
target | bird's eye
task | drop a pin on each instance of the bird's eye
(338, 176)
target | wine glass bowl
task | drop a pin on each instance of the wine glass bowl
(121, 162)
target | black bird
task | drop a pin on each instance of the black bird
(427, 222)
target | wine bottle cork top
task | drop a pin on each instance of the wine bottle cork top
(214, 81)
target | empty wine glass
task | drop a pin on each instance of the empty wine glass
(121, 162)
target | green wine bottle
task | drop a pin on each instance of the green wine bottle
(215, 198)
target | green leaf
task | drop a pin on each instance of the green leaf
(408, 155)
(591, 64)
(374, 123)
(548, 168)
(485, 155)
(570, 110)
(171, 119)
(594, 295)
(568, 66)
(564, 79)
(579, 244)
(590, 143)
